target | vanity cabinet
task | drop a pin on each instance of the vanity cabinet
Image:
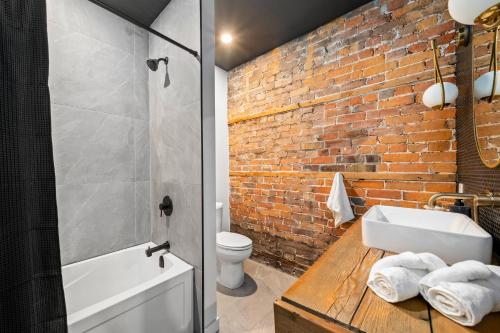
(332, 296)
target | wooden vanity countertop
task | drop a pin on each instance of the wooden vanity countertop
(332, 296)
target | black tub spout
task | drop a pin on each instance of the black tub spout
(164, 246)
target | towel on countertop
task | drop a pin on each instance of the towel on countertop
(396, 278)
(338, 201)
(464, 292)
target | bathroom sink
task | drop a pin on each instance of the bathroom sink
(453, 237)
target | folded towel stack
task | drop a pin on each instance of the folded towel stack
(396, 278)
(464, 292)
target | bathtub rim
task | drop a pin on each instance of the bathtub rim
(106, 309)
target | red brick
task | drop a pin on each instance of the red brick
(387, 194)
(359, 81)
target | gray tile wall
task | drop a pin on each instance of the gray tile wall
(100, 119)
(176, 165)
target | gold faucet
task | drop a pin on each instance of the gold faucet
(489, 199)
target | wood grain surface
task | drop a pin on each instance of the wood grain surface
(334, 292)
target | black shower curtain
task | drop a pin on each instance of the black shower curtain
(31, 293)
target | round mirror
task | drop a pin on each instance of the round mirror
(486, 109)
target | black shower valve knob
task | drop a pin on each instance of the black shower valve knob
(166, 206)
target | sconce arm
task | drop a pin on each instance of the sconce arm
(437, 73)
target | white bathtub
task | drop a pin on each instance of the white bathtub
(126, 291)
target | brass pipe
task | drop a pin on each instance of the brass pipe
(477, 201)
(457, 196)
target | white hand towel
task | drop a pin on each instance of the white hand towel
(338, 201)
(396, 278)
(464, 292)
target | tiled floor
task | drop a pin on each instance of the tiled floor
(249, 309)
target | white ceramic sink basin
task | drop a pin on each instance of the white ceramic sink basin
(451, 236)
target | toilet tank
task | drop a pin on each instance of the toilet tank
(218, 216)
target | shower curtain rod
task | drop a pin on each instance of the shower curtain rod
(145, 27)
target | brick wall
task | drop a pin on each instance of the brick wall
(343, 98)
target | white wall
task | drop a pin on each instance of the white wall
(221, 144)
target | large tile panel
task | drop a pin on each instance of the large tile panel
(141, 73)
(176, 152)
(183, 228)
(142, 150)
(91, 147)
(90, 74)
(95, 219)
(84, 17)
(142, 212)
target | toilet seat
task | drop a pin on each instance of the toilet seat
(233, 241)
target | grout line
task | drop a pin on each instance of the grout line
(95, 111)
(104, 183)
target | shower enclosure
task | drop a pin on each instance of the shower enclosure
(131, 124)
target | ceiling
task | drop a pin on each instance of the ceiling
(144, 11)
(257, 26)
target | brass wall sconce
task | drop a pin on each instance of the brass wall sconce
(441, 93)
(486, 86)
(485, 13)
(464, 35)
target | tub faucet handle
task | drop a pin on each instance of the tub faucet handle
(166, 206)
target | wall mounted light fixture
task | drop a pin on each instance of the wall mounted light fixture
(486, 86)
(485, 13)
(440, 94)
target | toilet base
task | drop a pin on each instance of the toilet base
(231, 275)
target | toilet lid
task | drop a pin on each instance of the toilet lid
(231, 240)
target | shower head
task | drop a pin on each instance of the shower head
(153, 65)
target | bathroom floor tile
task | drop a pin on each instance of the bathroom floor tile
(249, 309)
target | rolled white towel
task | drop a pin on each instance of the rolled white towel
(464, 292)
(396, 278)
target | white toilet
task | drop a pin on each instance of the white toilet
(232, 250)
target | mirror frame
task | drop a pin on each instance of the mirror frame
(488, 163)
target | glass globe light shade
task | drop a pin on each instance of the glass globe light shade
(484, 84)
(467, 11)
(433, 95)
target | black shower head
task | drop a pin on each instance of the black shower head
(153, 65)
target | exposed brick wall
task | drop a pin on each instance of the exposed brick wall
(351, 94)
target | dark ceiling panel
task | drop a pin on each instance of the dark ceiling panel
(144, 11)
(259, 26)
